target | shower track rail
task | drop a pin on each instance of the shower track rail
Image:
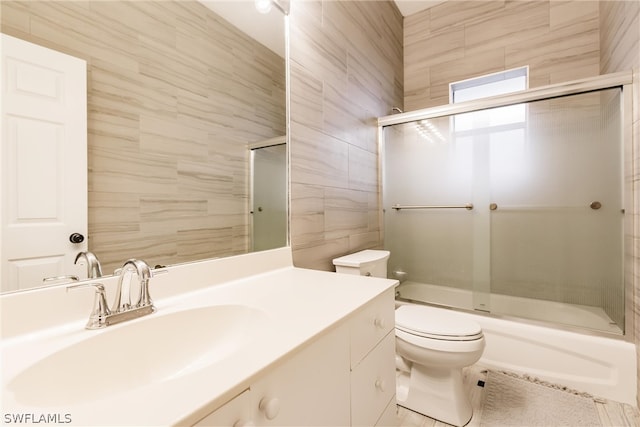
(535, 94)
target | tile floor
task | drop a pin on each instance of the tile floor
(612, 414)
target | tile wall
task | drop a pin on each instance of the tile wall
(620, 51)
(174, 95)
(346, 70)
(457, 40)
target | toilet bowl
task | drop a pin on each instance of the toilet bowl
(432, 347)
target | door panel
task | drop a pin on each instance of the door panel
(43, 163)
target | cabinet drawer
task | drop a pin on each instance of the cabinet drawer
(371, 324)
(373, 383)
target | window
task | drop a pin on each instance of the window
(500, 132)
(490, 85)
(484, 87)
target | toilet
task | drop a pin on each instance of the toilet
(432, 347)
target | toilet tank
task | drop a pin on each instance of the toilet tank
(365, 263)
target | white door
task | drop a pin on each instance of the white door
(43, 163)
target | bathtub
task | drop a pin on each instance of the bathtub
(603, 367)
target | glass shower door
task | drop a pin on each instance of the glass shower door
(428, 229)
(269, 197)
(544, 237)
(556, 214)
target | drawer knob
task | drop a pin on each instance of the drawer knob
(270, 407)
(243, 423)
(380, 323)
(381, 385)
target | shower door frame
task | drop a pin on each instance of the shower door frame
(621, 80)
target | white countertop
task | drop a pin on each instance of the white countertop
(299, 304)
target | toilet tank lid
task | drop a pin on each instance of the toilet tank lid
(435, 321)
(360, 258)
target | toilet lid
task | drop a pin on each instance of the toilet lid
(436, 323)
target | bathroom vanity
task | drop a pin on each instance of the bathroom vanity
(245, 340)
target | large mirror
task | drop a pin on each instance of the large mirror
(180, 93)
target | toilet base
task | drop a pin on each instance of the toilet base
(434, 392)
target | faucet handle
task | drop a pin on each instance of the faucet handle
(70, 278)
(100, 311)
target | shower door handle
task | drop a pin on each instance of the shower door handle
(468, 206)
(595, 205)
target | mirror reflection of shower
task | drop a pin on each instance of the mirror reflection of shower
(268, 203)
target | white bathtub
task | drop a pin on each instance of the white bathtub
(603, 367)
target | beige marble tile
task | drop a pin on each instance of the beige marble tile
(367, 81)
(320, 159)
(307, 97)
(619, 35)
(314, 50)
(562, 13)
(345, 212)
(114, 212)
(340, 117)
(417, 27)
(16, 19)
(117, 247)
(307, 213)
(319, 255)
(517, 22)
(446, 45)
(473, 65)
(568, 53)
(558, 40)
(204, 243)
(363, 169)
(446, 14)
(353, 50)
(362, 241)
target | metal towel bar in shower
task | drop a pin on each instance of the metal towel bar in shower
(468, 207)
(595, 205)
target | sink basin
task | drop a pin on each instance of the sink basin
(155, 348)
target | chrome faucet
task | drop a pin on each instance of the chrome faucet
(122, 309)
(123, 293)
(93, 265)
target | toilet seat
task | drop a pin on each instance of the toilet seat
(438, 324)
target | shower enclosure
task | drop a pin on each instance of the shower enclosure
(268, 201)
(514, 205)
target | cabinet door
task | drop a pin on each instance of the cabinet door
(373, 383)
(389, 417)
(310, 388)
(371, 324)
(237, 412)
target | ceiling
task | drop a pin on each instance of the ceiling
(267, 28)
(243, 15)
(409, 7)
